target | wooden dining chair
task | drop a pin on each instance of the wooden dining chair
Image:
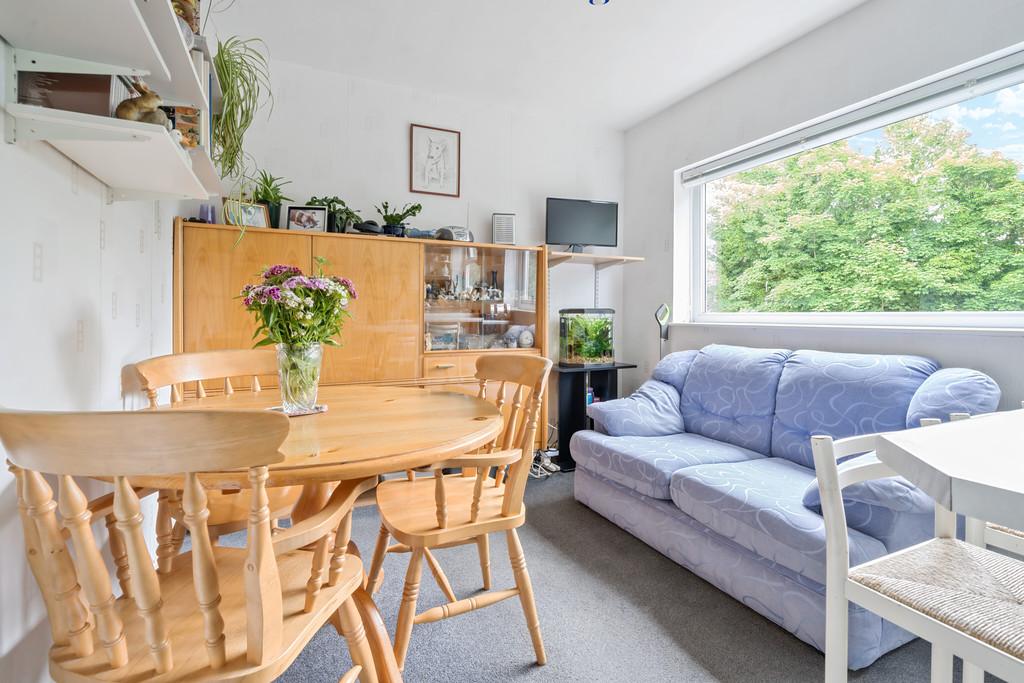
(209, 371)
(961, 597)
(455, 509)
(219, 613)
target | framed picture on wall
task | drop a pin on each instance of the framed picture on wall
(435, 160)
(243, 213)
(309, 218)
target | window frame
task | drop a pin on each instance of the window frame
(988, 74)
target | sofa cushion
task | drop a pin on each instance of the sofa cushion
(652, 410)
(729, 394)
(673, 368)
(892, 510)
(953, 390)
(645, 463)
(840, 395)
(758, 504)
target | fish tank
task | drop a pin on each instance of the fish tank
(585, 337)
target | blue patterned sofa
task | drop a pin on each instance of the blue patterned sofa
(710, 463)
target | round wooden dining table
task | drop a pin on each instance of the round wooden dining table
(365, 431)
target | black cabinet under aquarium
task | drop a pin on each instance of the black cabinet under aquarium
(585, 337)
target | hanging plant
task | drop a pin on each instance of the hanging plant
(245, 81)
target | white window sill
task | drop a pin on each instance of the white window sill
(857, 327)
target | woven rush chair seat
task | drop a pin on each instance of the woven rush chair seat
(963, 586)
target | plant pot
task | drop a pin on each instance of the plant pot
(396, 230)
(332, 223)
(275, 214)
(298, 371)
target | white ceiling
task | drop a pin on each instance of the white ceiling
(614, 64)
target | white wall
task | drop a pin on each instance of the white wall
(878, 46)
(86, 289)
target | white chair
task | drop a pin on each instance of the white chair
(964, 599)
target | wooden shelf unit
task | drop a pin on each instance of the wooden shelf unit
(110, 37)
(596, 260)
(383, 343)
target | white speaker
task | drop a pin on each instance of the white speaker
(503, 228)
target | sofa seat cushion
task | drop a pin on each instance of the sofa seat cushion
(729, 394)
(645, 464)
(841, 395)
(758, 504)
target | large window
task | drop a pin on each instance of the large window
(921, 214)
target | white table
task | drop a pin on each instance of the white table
(974, 467)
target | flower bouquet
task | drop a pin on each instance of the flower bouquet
(299, 314)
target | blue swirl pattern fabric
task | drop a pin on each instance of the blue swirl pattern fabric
(729, 394)
(673, 368)
(795, 603)
(651, 410)
(892, 510)
(953, 390)
(645, 464)
(840, 395)
(758, 505)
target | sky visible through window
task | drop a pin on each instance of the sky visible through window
(995, 123)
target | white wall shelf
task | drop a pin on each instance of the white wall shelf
(218, 94)
(202, 166)
(110, 32)
(181, 86)
(135, 160)
(599, 261)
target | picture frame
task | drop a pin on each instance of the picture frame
(435, 160)
(245, 214)
(306, 218)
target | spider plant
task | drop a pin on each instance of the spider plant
(245, 81)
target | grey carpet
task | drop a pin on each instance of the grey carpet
(611, 609)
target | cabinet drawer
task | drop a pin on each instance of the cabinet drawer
(445, 366)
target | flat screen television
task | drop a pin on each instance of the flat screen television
(580, 222)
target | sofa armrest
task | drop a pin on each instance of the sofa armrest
(953, 390)
(892, 510)
(652, 410)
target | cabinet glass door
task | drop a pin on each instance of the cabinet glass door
(479, 298)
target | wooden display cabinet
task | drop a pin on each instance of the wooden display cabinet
(425, 311)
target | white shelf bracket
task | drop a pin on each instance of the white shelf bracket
(28, 60)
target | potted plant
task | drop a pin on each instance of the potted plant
(394, 220)
(268, 192)
(245, 81)
(298, 314)
(339, 215)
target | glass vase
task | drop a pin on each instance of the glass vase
(298, 370)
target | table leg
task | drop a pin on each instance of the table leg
(311, 501)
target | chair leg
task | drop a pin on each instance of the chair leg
(942, 664)
(483, 548)
(407, 612)
(973, 673)
(355, 635)
(439, 575)
(515, 556)
(373, 579)
(837, 625)
(377, 634)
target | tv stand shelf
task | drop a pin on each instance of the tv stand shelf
(596, 260)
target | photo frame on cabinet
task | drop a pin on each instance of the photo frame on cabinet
(307, 218)
(245, 214)
(435, 160)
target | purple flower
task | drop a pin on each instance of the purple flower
(248, 301)
(297, 281)
(280, 269)
(347, 284)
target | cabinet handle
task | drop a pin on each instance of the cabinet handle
(445, 366)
